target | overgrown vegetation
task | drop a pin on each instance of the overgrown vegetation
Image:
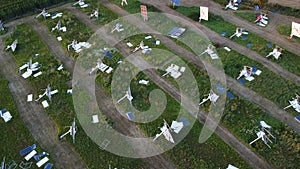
(105, 14)
(184, 155)
(263, 84)
(242, 118)
(248, 16)
(14, 9)
(276, 8)
(4, 31)
(134, 6)
(61, 108)
(284, 10)
(241, 110)
(286, 30)
(14, 134)
(75, 30)
(288, 60)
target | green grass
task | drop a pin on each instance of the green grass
(233, 62)
(288, 60)
(184, 154)
(286, 30)
(14, 9)
(4, 31)
(244, 4)
(249, 4)
(242, 117)
(203, 164)
(61, 108)
(264, 84)
(75, 30)
(14, 134)
(283, 10)
(248, 16)
(203, 157)
(105, 14)
(281, 29)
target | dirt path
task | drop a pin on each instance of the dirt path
(244, 151)
(271, 35)
(248, 94)
(275, 21)
(105, 103)
(216, 38)
(35, 118)
(59, 52)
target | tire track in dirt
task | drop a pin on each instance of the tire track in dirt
(105, 102)
(246, 93)
(244, 151)
(35, 118)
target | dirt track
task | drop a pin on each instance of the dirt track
(63, 150)
(35, 118)
(248, 94)
(54, 46)
(104, 100)
(245, 152)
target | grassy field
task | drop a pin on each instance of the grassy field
(233, 62)
(105, 14)
(4, 31)
(248, 16)
(240, 116)
(288, 60)
(276, 8)
(184, 155)
(188, 150)
(74, 27)
(239, 111)
(283, 10)
(15, 9)
(14, 134)
(263, 84)
(61, 108)
(286, 30)
(281, 29)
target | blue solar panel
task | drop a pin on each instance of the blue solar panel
(297, 118)
(184, 121)
(108, 54)
(220, 88)
(254, 69)
(241, 81)
(130, 116)
(177, 2)
(230, 95)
